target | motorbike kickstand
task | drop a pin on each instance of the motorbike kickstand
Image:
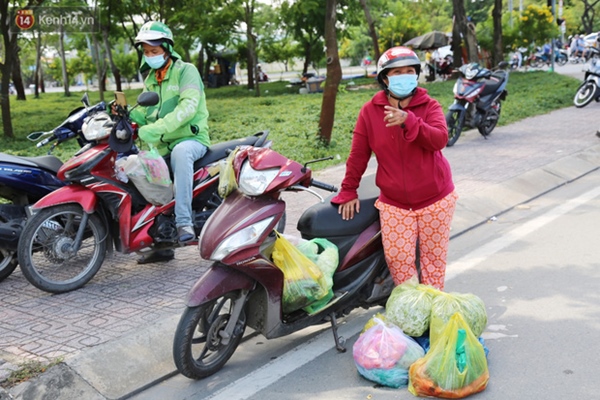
(339, 340)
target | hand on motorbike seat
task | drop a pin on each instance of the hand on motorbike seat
(347, 209)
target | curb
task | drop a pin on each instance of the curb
(111, 371)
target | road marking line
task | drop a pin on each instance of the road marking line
(275, 370)
(287, 363)
(470, 260)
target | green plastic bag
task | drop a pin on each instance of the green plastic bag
(470, 306)
(454, 367)
(304, 283)
(409, 306)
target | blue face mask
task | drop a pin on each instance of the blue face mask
(155, 62)
(402, 85)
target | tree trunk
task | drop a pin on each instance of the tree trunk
(63, 59)
(589, 13)
(466, 29)
(38, 62)
(334, 74)
(96, 55)
(6, 69)
(252, 57)
(113, 67)
(16, 75)
(497, 52)
(372, 31)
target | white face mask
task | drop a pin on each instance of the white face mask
(402, 85)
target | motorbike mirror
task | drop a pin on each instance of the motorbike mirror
(33, 136)
(502, 64)
(148, 99)
(85, 100)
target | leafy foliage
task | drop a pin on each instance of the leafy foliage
(292, 119)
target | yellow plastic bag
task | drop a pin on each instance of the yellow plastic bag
(455, 366)
(227, 179)
(304, 282)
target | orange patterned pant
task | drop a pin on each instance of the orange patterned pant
(399, 231)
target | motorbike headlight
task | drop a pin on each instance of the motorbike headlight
(246, 236)
(253, 182)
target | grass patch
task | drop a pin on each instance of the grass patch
(27, 371)
(292, 119)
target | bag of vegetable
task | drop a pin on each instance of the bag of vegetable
(470, 306)
(455, 366)
(304, 282)
(409, 306)
(326, 256)
(383, 354)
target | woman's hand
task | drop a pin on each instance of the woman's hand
(394, 116)
(347, 209)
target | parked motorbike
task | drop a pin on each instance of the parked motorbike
(243, 287)
(25, 180)
(589, 89)
(65, 242)
(478, 93)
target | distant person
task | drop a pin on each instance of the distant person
(262, 76)
(406, 130)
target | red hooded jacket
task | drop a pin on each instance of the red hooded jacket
(412, 172)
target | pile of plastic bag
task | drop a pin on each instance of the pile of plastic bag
(445, 327)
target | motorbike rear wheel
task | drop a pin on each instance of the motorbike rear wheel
(561, 59)
(8, 263)
(199, 349)
(490, 119)
(455, 125)
(45, 249)
(585, 94)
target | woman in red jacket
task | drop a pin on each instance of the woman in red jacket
(406, 130)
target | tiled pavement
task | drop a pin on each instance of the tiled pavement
(125, 297)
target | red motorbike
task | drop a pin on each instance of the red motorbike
(243, 287)
(64, 243)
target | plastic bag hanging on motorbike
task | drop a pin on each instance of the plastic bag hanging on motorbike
(148, 175)
(227, 178)
(304, 282)
(383, 354)
(455, 366)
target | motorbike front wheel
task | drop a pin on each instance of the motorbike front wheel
(561, 60)
(46, 253)
(455, 125)
(200, 348)
(585, 94)
(8, 263)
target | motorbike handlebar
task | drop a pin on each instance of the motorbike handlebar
(45, 141)
(324, 186)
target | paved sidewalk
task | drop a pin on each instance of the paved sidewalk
(115, 334)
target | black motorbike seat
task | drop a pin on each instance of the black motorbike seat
(492, 84)
(323, 220)
(219, 151)
(49, 163)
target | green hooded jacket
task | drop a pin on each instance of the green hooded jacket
(181, 113)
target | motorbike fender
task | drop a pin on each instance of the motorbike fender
(215, 282)
(69, 194)
(457, 107)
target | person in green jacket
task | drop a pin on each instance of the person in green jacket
(177, 125)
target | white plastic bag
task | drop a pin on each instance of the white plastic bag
(147, 173)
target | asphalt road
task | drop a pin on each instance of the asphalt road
(535, 267)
